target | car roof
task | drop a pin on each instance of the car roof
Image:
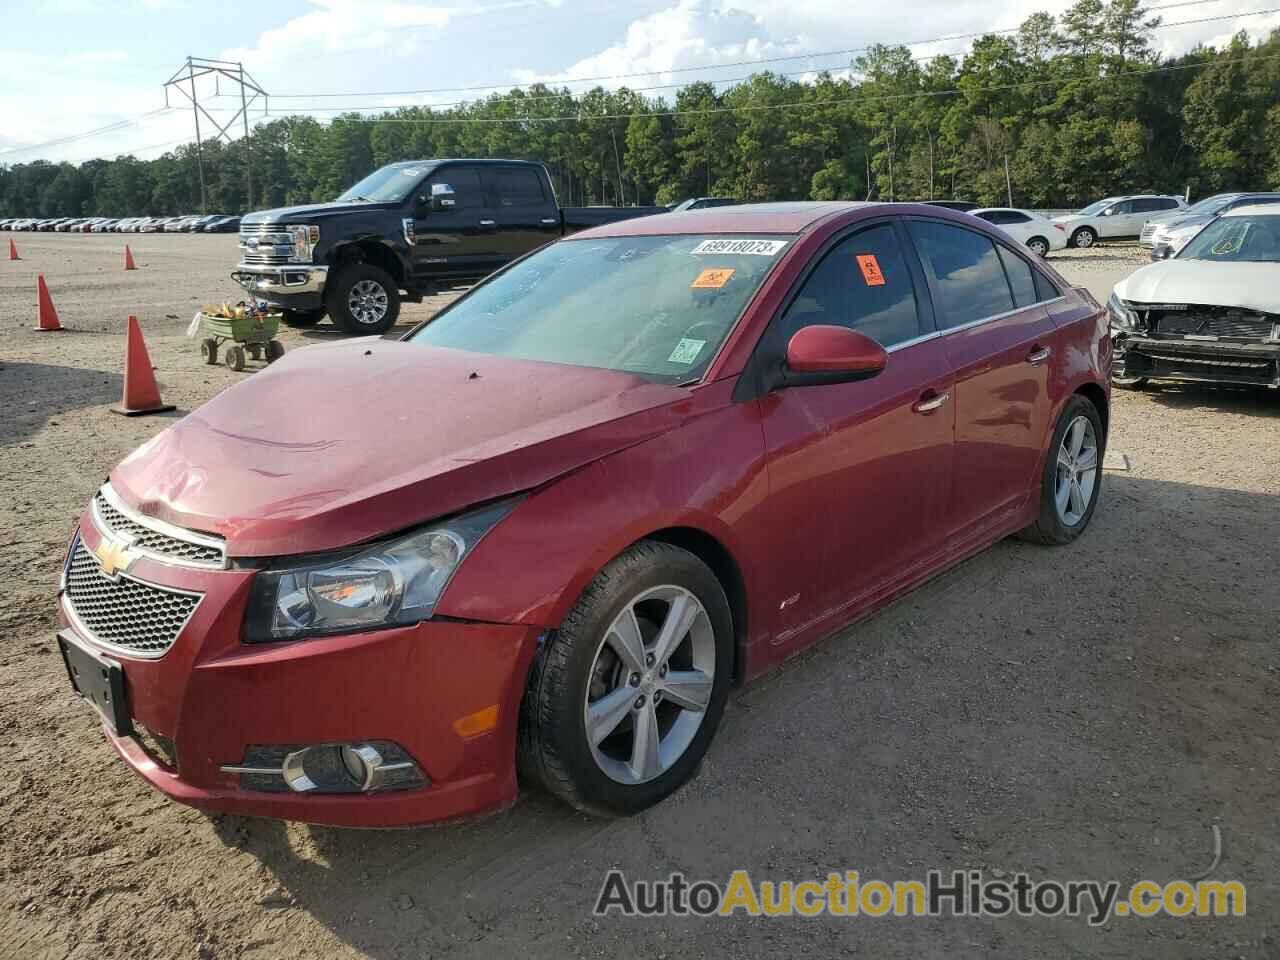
(1029, 213)
(1255, 210)
(784, 217)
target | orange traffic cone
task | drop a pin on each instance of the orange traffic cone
(48, 317)
(128, 259)
(13, 250)
(141, 394)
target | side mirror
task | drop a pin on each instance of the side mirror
(443, 197)
(1162, 251)
(823, 354)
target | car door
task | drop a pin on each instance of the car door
(459, 241)
(1017, 225)
(525, 215)
(1126, 221)
(998, 338)
(863, 469)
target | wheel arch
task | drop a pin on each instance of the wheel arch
(1094, 393)
(724, 565)
(373, 252)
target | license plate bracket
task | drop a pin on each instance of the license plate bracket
(100, 681)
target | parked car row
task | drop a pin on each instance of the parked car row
(209, 223)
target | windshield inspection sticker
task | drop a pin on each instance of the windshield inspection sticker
(686, 351)
(754, 248)
(870, 268)
(712, 279)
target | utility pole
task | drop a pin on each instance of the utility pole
(1008, 184)
(235, 72)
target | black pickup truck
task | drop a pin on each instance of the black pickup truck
(406, 231)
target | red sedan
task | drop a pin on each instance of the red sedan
(554, 524)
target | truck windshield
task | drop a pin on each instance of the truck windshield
(389, 184)
(1237, 239)
(658, 307)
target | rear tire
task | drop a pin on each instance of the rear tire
(302, 318)
(587, 674)
(209, 351)
(363, 300)
(1076, 450)
(1084, 238)
(1039, 246)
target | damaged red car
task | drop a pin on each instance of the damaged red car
(551, 527)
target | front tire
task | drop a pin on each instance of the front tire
(1072, 477)
(1084, 238)
(363, 300)
(624, 699)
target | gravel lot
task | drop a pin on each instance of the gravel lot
(1084, 712)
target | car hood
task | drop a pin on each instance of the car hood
(1249, 286)
(337, 444)
(310, 213)
(1178, 223)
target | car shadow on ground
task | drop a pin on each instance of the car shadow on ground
(1249, 401)
(950, 730)
(33, 394)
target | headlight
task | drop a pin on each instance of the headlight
(395, 582)
(1121, 316)
(305, 239)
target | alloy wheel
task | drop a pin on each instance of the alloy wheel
(1039, 247)
(1077, 471)
(650, 684)
(367, 302)
(1084, 239)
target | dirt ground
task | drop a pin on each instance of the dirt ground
(1087, 712)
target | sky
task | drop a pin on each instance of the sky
(68, 67)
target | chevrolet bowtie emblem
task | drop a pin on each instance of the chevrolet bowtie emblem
(114, 556)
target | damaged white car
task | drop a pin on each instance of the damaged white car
(1211, 313)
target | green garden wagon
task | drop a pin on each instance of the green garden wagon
(252, 334)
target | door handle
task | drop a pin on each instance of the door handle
(549, 220)
(1038, 355)
(487, 223)
(930, 401)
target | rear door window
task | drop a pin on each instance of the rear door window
(1021, 282)
(515, 187)
(966, 272)
(862, 283)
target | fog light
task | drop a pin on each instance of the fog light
(361, 767)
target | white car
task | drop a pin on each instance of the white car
(1209, 313)
(1116, 217)
(1037, 233)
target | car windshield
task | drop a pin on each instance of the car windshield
(658, 307)
(1095, 208)
(1209, 205)
(389, 184)
(1244, 239)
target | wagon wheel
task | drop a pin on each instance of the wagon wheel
(209, 350)
(235, 358)
(275, 350)
(255, 351)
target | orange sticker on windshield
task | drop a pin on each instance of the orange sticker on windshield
(712, 279)
(870, 268)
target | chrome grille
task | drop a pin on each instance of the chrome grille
(138, 618)
(1239, 326)
(265, 243)
(182, 547)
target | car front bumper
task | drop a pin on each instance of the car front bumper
(298, 286)
(210, 698)
(1256, 364)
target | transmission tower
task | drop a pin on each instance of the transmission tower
(233, 72)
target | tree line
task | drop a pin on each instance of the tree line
(1059, 113)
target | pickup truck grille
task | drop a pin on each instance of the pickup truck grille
(265, 243)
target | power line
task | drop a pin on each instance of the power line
(97, 132)
(812, 55)
(803, 105)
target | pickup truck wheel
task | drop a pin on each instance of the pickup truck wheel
(364, 300)
(624, 699)
(302, 318)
